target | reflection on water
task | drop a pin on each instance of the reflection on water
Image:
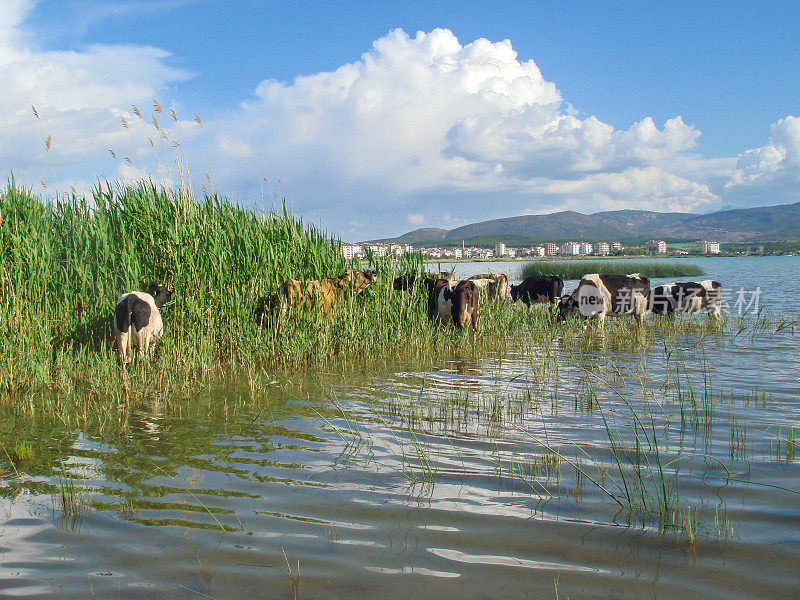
(570, 465)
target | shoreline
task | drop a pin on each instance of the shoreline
(593, 258)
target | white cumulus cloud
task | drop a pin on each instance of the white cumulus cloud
(769, 174)
(781, 157)
(422, 117)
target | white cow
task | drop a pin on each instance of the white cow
(137, 320)
(613, 295)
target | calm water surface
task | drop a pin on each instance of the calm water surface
(474, 476)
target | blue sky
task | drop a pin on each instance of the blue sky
(662, 106)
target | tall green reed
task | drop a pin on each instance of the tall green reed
(66, 262)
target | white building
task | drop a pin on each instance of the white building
(584, 248)
(659, 246)
(511, 252)
(499, 249)
(400, 249)
(538, 251)
(350, 250)
(571, 249)
(378, 249)
(603, 248)
(710, 247)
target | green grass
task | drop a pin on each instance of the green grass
(65, 264)
(570, 269)
(22, 451)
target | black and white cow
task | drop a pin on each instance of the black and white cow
(688, 297)
(600, 296)
(451, 302)
(137, 320)
(538, 288)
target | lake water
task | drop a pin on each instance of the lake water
(474, 476)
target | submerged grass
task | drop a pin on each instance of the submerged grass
(571, 269)
(661, 421)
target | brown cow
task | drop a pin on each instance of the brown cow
(295, 295)
(453, 303)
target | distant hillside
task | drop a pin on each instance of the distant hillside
(763, 223)
(424, 233)
(555, 225)
(780, 222)
(643, 222)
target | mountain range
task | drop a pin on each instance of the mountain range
(763, 223)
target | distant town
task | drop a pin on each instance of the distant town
(500, 250)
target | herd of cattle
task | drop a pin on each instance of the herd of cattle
(137, 317)
(597, 296)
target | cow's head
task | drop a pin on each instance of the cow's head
(365, 278)
(448, 276)
(465, 304)
(430, 283)
(359, 280)
(404, 281)
(161, 294)
(514, 292)
(568, 307)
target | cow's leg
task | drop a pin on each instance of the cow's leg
(640, 308)
(601, 319)
(714, 311)
(122, 347)
(144, 343)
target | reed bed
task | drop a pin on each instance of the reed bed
(65, 263)
(571, 269)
